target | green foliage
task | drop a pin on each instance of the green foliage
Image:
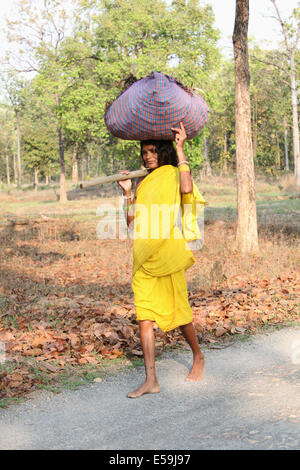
(271, 103)
(194, 150)
(39, 136)
(40, 150)
(81, 57)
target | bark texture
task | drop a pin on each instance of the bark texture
(246, 236)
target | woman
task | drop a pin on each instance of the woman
(159, 283)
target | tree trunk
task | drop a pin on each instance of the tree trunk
(207, 162)
(75, 166)
(82, 169)
(246, 236)
(286, 152)
(7, 166)
(19, 148)
(62, 190)
(88, 164)
(15, 168)
(224, 166)
(295, 122)
(97, 165)
(115, 165)
(278, 152)
(254, 130)
(47, 179)
(36, 180)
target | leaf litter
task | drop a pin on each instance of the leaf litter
(79, 310)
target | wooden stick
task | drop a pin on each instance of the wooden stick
(113, 178)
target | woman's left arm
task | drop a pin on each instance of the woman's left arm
(186, 182)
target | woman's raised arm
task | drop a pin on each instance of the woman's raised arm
(186, 182)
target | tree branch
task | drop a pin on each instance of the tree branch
(297, 38)
(92, 57)
(282, 25)
(270, 63)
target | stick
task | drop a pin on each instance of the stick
(113, 178)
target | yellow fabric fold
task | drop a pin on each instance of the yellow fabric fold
(162, 299)
(159, 246)
(192, 206)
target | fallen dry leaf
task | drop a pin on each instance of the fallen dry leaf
(220, 331)
(14, 384)
(33, 352)
(136, 352)
(38, 341)
(6, 336)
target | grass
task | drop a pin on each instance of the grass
(272, 210)
(6, 402)
(220, 193)
(270, 327)
(70, 378)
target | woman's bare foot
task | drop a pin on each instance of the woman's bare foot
(197, 370)
(147, 387)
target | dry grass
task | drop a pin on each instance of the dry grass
(279, 255)
(73, 229)
(279, 252)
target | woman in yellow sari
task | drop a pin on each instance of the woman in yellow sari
(161, 254)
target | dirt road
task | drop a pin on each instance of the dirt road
(249, 398)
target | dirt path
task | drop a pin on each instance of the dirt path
(249, 399)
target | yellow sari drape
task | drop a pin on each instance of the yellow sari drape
(160, 251)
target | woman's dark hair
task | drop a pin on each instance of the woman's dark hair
(166, 152)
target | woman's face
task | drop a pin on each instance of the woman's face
(150, 156)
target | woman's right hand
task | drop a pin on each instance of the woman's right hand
(126, 185)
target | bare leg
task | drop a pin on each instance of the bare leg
(147, 339)
(196, 372)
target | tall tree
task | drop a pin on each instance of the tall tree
(7, 138)
(270, 105)
(41, 30)
(291, 40)
(286, 151)
(221, 141)
(137, 36)
(13, 87)
(246, 236)
(39, 142)
(284, 61)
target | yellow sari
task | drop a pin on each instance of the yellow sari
(160, 251)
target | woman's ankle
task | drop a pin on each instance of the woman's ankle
(150, 373)
(198, 356)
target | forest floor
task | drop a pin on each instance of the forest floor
(66, 304)
(248, 399)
